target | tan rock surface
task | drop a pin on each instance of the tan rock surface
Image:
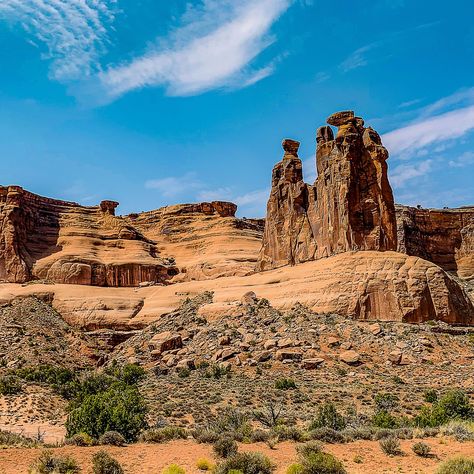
(365, 285)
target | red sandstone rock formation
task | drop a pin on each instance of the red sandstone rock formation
(64, 242)
(350, 206)
(442, 236)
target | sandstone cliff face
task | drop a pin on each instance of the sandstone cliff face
(205, 240)
(442, 236)
(64, 242)
(350, 206)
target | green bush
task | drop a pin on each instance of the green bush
(246, 463)
(161, 435)
(225, 447)
(384, 419)
(49, 464)
(217, 371)
(103, 463)
(112, 438)
(119, 408)
(459, 465)
(322, 463)
(454, 405)
(421, 449)
(430, 396)
(7, 438)
(285, 384)
(295, 468)
(328, 417)
(390, 446)
(10, 385)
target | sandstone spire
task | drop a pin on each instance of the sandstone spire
(350, 206)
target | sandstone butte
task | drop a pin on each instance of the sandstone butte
(338, 245)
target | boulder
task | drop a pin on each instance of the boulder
(395, 357)
(165, 341)
(289, 354)
(350, 357)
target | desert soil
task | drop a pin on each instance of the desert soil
(151, 459)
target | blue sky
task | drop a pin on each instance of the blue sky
(156, 102)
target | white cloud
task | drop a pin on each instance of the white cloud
(74, 31)
(173, 186)
(418, 135)
(212, 49)
(462, 161)
(357, 58)
(405, 172)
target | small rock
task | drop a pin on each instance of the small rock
(395, 357)
(333, 341)
(270, 344)
(375, 329)
(287, 342)
(249, 298)
(311, 364)
(224, 341)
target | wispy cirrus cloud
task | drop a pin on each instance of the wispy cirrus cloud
(75, 32)
(403, 173)
(429, 130)
(212, 48)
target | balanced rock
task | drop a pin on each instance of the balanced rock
(340, 118)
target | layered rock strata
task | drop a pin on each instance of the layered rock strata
(442, 236)
(64, 242)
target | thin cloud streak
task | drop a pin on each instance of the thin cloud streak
(418, 135)
(203, 57)
(74, 31)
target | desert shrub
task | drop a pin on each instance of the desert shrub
(304, 450)
(458, 465)
(204, 464)
(328, 417)
(161, 435)
(103, 463)
(384, 419)
(285, 384)
(295, 468)
(390, 446)
(430, 396)
(204, 434)
(288, 433)
(321, 463)
(260, 436)
(459, 430)
(112, 438)
(327, 435)
(7, 438)
(421, 449)
(232, 422)
(386, 402)
(217, 371)
(247, 463)
(49, 464)
(361, 432)
(173, 469)
(80, 439)
(454, 405)
(120, 408)
(225, 447)
(10, 385)
(270, 415)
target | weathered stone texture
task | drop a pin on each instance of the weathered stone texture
(350, 206)
(442, 236)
